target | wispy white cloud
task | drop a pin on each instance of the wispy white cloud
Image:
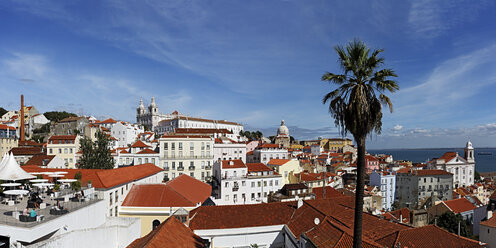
(26, 67)
(432, 18)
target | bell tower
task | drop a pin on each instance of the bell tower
(153, 109)
(469, 152)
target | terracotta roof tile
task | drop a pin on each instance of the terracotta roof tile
(237, 216)
(268, 146)
(18, 151)
(426, 237)
(3, 127)
(490, 223)
(330, 192)
(257, 167)
(62, 137)
(171, 233)
(139, 144)
(40, 160)
(105, 178)
(147, 151)
(233, 164)
(194, 190)
(459, 205)
(278, 161)
(403, 213)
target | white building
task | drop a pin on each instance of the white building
(487, 233)
(386, 182)
(238, 183)
(226, 149)
(170, 125)
(191, 155)
(152, 117)
(264, 153)
(125, 133)
(462, 168)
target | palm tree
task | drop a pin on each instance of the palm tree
(356, 105)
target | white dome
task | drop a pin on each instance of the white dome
(283, 130)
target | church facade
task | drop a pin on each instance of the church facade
(152, 117)
(283, 139)
(462, 168)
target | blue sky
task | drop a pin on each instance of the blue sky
(255, 62)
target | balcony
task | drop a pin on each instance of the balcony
(166, 169)
(208, 167)
(191, 168)
(180, 168)
(170, 157)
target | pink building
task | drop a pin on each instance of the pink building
(371, 163)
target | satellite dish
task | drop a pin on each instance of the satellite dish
(316, 221)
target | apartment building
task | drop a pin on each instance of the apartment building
(190, 155)
(65, 147)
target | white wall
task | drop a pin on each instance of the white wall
(264, 236)
(116, 232)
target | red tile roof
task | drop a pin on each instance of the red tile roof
(268, 146)
(147, 151)
(490, 223)
(63, 137)
(171, 233)
(19, 151)
(237, 216)
(39, 159)
(201, 131)
(185, 136)
(257, 167)
(395, 215)
(3, 126)
(448, 156)
(192, 189)
(330, 192)
(105, 178)
(278, 161)
(422, 172)
(312, 177)
(459, 205)
(183, 191)
(109, 120)
(426, 237)
(139, 144)
(233, 164)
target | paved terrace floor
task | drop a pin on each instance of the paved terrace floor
(6, 217)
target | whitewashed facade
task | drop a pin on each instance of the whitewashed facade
(191, 155)
(125, 133)
(386, 182)
(228, 150)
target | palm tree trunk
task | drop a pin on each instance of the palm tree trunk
(360, 184)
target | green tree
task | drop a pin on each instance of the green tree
(45, 128)
(356, 105)
(449, 221)
(477, 176)
(96, 155)
(2, 111)
(56, 116)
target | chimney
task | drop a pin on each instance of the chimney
(489, 214)
(21, 125)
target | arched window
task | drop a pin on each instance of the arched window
(155, 223)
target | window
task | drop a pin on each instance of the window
(192, 164)
(51, 150)
(253, 196)
(70, 150)
(191, 145)
(227, 184)
(208, 146)
(166, 146)
(180, 165)
(203, 145)
(227, 197)
(203, 164)
(173, 165)
(276, 182)
(192, 174)
(265, 183)
(173, 175)
(173, 146)
(180, 145)
(253, 184)
(203, 175)
(60, 150)
(259, 184)
(110, 203)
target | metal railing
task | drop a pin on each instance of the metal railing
(188, 157)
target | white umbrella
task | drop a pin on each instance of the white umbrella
(67, 180)
(10, 184)
(61, 172)
(56, 175)
(37, 173)
(16, 192)
(48, 173)
(40, 185)
(38, 180)
(12, 171)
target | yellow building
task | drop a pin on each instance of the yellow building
(154, 203)
(285, 167)
(336, 144)
(65, 147)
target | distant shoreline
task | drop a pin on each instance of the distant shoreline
(426, 148)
